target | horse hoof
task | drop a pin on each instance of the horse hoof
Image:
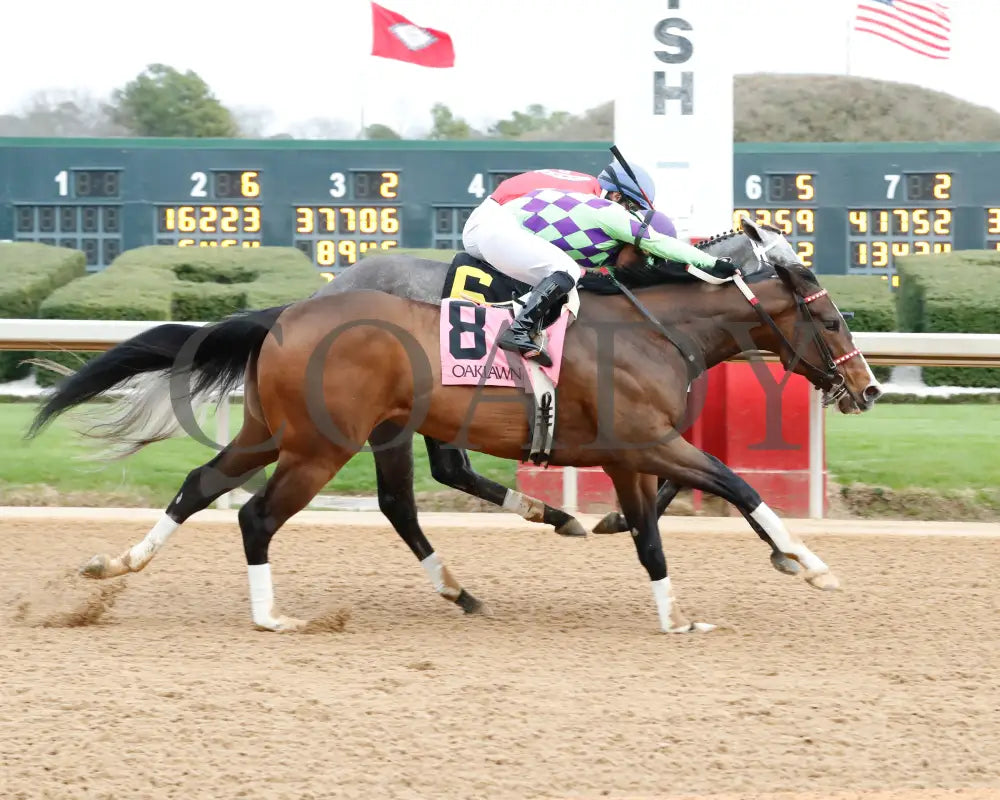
(472, 605)
(477, 608)
(281, 625)
(96, 568)
(784, 564)
(571, 528)
(693, 627)
(613, 522)
(826, 581)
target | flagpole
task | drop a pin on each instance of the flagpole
(851, 8)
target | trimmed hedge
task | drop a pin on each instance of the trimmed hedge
(955, 292)
(182, 283)
(868, 296)
(29, 272)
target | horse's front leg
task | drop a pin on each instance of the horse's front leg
(685, 464)
(452, 467)
(637, 495)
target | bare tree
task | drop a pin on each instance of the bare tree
(62, 112)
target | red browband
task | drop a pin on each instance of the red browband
(815, 296)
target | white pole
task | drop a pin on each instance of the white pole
(222, 438)
(851, 11)
(569, 500)
(815, 454)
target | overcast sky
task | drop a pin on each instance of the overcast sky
(303, 59)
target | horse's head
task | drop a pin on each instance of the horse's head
(817, 341)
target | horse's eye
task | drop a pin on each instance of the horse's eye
(832, 325)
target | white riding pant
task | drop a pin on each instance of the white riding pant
(493, 234)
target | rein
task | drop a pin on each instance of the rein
(692, 363)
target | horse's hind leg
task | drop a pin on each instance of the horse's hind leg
(615, 522)
(394, 474)
(637, 495)
(452, 467)
(298, 477)
(237, 463)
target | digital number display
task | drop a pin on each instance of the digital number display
(877, 235)
(993, 228)
(447, 224)
(927, 187)
(94, 229)
(845, 208)
(496, 178)
(96, 183)
(790, 188)
(235, 184)
(798, 224)
(334, 237)
(208, 219)
(208, 225)
(365, 185)
(373, 186)
(87, 184)
(334, 254)
(899, 221)
(876, 253)
(347, 219)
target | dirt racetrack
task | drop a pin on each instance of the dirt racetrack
(156, 686)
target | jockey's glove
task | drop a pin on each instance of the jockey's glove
(724, 268)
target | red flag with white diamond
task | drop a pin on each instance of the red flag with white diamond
(395, 37)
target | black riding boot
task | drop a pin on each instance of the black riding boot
(542, 298)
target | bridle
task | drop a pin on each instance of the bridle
(828, 378)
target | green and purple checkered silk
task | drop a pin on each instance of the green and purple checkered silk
(590, 229)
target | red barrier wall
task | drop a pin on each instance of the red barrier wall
(771, 455)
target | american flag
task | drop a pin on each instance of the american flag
(921, 27)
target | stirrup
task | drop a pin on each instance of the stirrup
(526, 347)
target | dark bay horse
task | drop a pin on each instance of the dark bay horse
(367, 388)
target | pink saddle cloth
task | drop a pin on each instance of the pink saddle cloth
(470, 356)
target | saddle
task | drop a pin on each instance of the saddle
(475, 281)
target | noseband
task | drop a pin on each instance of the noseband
(828, 378)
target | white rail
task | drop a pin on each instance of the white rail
(895, 349)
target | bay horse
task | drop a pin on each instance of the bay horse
(324, 375)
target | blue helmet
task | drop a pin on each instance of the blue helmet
(613, 178)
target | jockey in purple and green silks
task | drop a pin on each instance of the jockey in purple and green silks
(590, 230)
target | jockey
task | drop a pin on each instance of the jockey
(541, 227)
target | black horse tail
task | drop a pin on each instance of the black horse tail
(209, 360)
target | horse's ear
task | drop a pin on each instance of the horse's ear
(793, 277)
(749, 227)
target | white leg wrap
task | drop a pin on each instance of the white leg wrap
(664, 597)
(441, 579)
(785, 541)
(671, 618)
(140, 554)
(523, 506)
(434, 568)
(261, 595)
